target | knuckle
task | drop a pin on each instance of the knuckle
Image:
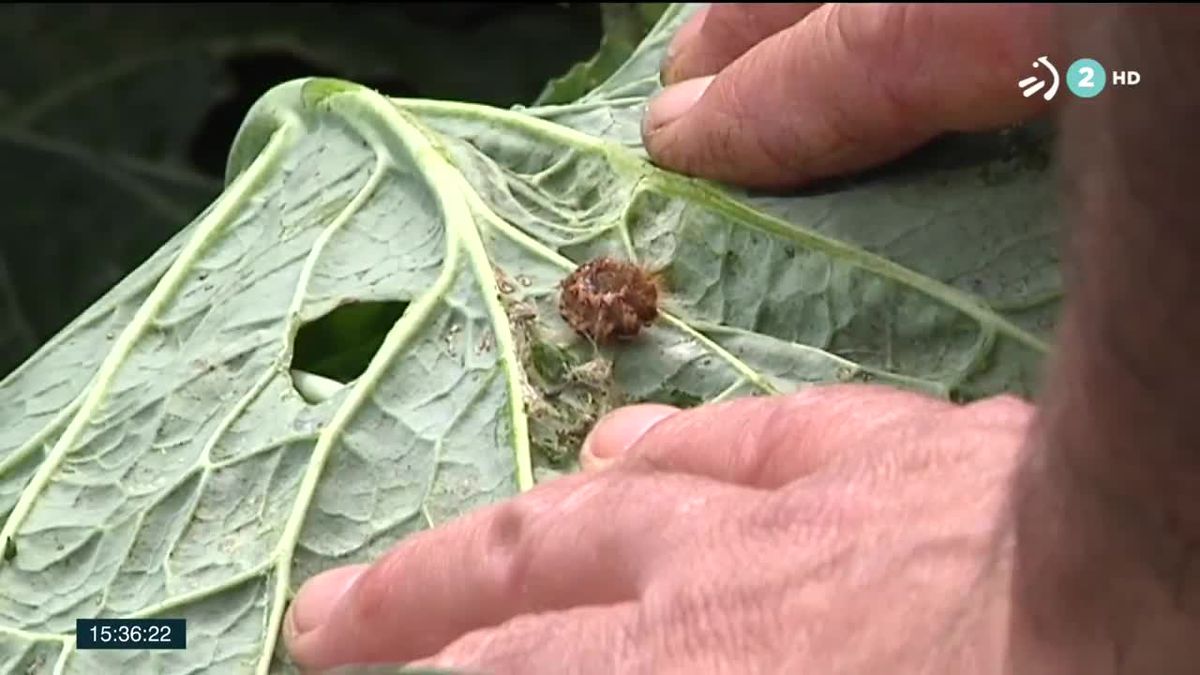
(762, 435)
(729, 28)
(728, 120)
(791, 419)
(516, 543)
(861, 405)
(843, 114)
(876, 44)
(898, 73)
(748, 114)
(507, 547)
(835, 506)
(707, 145)
(368, 599)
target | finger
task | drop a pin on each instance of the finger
(617, 431)
(580, 540)
(848, 87)
(717, 34)
(767, 442)
(590, 639)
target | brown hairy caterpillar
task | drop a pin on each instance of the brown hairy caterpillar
(607, 299)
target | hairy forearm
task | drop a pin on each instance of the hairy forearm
(1108, 518)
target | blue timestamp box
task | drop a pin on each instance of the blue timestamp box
(131, 634)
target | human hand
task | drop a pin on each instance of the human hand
(776, 95)
(859, 529)
(841, 529)
(795, 527)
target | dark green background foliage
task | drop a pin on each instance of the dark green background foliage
(115, 120)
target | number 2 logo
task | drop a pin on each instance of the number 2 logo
(1086, 78)
(1088, 75)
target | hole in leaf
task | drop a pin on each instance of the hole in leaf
(339, 345)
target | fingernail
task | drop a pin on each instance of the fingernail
(619, 431)
(666, 70)
(318, 596)
(685, 36)
(673, 102)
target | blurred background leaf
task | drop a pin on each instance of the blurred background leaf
(115, 119)
(625, 24)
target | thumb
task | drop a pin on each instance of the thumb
(847, 87)
(763, 442)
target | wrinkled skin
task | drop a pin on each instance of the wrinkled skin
(858, 529)
(798, 525)
(778, 95)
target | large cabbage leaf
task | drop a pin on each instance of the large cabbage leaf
(165, 456)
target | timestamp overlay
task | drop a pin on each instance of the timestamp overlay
(138, 634)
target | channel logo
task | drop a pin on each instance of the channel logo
(1085, 78)
(1033, 84)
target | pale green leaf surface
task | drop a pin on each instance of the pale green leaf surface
(974, 212)
(156, 459)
